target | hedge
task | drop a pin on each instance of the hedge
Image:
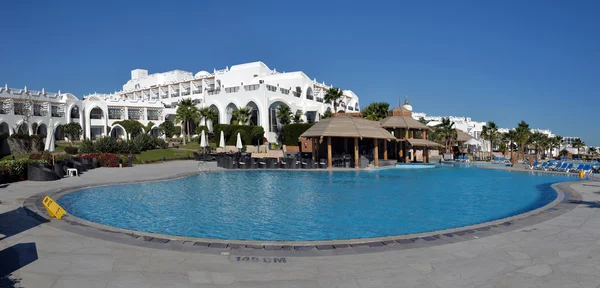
(292, 132)
(230, 133)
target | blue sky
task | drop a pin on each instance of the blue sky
(504, 61)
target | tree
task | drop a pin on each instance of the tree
(284, 116)
(297, 118)
(557, 141)
(327, 114)
(332, 96)
(593, 151)
(242, 115)
(208, 114)
(423, 121)
(148, 127)
(522, 136)
(132, 127)
(578, 143)
(511, 137)
(537, 139)
(72, 131)
(376, 111)
(186, 112)
(490, 133)
(168, 128)
(24, 109)
(258, 133)
(446, 131)
(563, 153)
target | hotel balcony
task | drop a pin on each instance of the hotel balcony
(319, 99)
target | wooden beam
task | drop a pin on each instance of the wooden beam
(385, 150)
(425, 154)
(376, 153)
(329, 156)
(356, 152)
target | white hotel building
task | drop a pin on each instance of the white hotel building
(29, 111)
(154, 97)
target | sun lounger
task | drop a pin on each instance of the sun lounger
(534, 166)
(587, 169)
(575, 170)
(569, 167)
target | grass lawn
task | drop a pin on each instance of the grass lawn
(17, 156)
(159, 154)
(192, 145)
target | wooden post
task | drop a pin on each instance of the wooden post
(376, 153)
(406, 133)
(356, 152)
(400, 150)
(329, 157)
(385, 144)
(425, 154)
(424, 134)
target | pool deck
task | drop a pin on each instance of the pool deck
(559, 248)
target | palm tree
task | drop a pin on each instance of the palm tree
(242, 115)
(284, 115)
(557, 141)
(446, 131)
(376, 111)
(208, 114)
(423, 121)
(490, 132)
(593, 151)
(184, 114)
(578, 143)
(522, 136)
(511, 137)
(332, 96)
(297, 118)
(545, 144)
(537, 139)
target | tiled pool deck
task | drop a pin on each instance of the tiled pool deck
(556, 247)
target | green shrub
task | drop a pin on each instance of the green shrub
(160, 143)
(87, 146)
(128, 147)
(71, 150)
(105, 145)
(144, 142)
(292, 132)
(18, 167)
(177, 130)
(258, 135)
(168, 128)
(38, 142)
(246, 138)
(226, 128)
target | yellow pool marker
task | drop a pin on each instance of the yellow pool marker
(53, 208)
(581, 174)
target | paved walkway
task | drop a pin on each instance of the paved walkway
(561, 252)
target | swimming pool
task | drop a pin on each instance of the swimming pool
(314, 205)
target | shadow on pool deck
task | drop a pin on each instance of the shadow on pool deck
(17, 221)
(13, 259)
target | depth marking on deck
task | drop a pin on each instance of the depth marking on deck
(253, 259)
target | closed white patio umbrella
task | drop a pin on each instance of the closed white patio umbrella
(50, 137)
(222, 140)
(203, 139)
(239, 142)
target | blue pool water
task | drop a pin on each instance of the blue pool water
(314, 205)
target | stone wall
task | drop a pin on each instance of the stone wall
(20, 146)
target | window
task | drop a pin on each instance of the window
(284, 91)
(114, 113)
(96, 113)
(153, 114)
(251, 87)
(134, 114)
(55, 111)
(75, 112)
(19, 108)
(271, 88)
(232, 89)
(310, 117)
(37, 109)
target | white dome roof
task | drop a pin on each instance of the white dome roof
(202, 74)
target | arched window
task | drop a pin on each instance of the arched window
(254, 113)
(96, 113)
(75, 112)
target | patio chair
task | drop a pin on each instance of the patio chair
(575, 170)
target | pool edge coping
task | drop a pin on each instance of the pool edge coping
(560, 205)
